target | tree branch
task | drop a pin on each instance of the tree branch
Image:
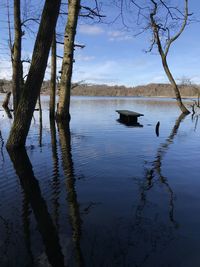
(171, 40)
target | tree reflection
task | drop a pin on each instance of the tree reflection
(195, 119)
(156, 170)
(1, 144)
(154, 174)
(33, 195)
(55, 180)
(26, 226)
(74, 213)
(40, 121)
(149, 229)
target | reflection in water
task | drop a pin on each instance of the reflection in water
(130, 227)
(40, 121)
(159, 235)
(156, 170)
(55, 180)
(33, 195)
(74, 213)
(158, 164)
(26, 225)
(195, 119)
(129, 124)
(1, 144)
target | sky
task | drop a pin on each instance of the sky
(116, 56)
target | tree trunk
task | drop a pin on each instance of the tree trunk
(16, 63)
(35, 76)
(175, 87)
(53, 78)
(67, 64)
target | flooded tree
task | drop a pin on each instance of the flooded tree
(158, 32)
(166, 22)
(52, 102)
(67, 63)
(17, 76)
(6, 100)
(75, 10)
(35, 76)
(5, 105)
(15, 48)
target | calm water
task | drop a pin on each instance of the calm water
(101, 193)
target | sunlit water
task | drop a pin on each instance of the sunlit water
(101, 193)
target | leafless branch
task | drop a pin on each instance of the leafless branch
(172, 39)
(79, 46)
(77, 84)
(30, 19)
(92, 12)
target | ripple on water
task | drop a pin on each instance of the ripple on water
(113, 195)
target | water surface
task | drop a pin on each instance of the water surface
(100, 193)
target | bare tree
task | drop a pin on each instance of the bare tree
(166, 22)
(53, 78)
(17, 76)
(18, 25)
(163, 51)
(75, 9)
(68, 58)
(35, 76)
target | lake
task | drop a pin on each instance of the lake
(100, 193)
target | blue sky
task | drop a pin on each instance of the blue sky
(114, 56)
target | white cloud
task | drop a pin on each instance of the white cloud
(106, 72)
(90, 29)
(84, 58)
(119, 36)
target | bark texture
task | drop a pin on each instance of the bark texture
(35, 76)
(16, 56)
(53, 78)
(68, 58)
(175, 87)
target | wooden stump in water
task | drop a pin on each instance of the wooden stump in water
(5, 105)
(6, 101)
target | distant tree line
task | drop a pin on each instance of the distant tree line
(149, 90)
(160, 90)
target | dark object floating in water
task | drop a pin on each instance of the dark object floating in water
(128, 117)
(130, 124)
(157, 128)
